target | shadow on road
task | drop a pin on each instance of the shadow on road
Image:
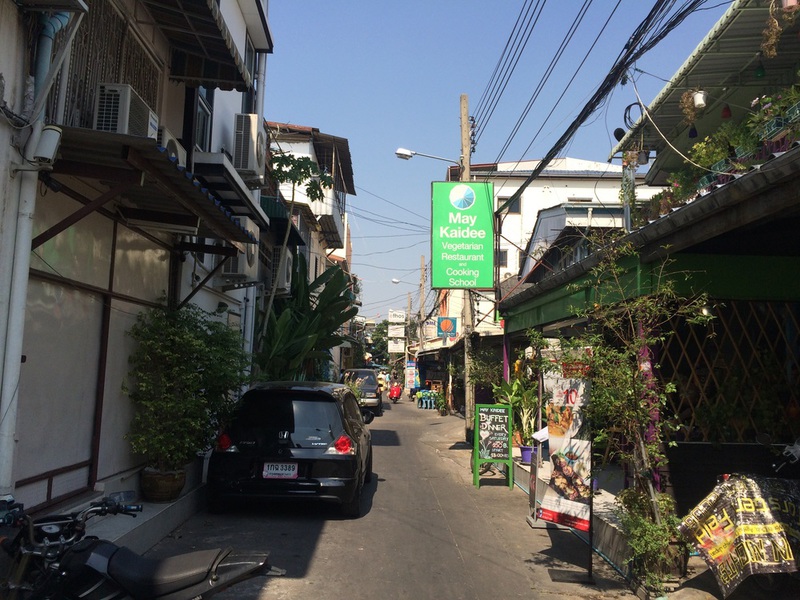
(290, 530)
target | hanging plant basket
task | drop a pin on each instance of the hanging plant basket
(700, 98)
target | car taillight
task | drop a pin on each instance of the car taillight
(342, 445)
(224, 442)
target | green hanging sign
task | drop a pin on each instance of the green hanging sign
(462, 235)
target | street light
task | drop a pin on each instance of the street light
(406, 154)
(463, 175)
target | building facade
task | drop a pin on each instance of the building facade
(136, 160)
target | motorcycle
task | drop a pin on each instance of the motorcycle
(395, 391)
(52, 557)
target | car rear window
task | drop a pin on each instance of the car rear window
(367, 377)
(310, 420)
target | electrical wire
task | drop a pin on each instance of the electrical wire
(637, 45)
(394, 249)
(548, 73)
(400, 206)
(510, 61)
(383, 237)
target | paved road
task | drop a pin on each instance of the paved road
(426, 532)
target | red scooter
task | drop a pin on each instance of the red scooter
(395, 391)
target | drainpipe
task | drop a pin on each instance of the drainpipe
(12, 359)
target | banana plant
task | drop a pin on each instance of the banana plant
(301, 330)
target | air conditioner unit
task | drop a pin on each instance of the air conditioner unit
(249, 147)
(242, 267)
(171, 144)
(284, 276)
(119, 109)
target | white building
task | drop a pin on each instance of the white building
(570, 195)
(565, 182)
(321, 223)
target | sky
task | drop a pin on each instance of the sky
(390, 74)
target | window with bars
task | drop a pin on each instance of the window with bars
(106, 49)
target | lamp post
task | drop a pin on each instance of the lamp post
(406, 154)
(467, 317)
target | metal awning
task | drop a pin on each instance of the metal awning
(150, 184)
(202, 49)
(279, 220)
(216, 171)
(726, 65)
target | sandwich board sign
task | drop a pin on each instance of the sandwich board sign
(492, 439)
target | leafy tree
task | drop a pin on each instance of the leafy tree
(295, 338)
(380, 344)
(297, 170)
(628, 312)
(486, 366)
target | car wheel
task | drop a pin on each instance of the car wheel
(352, 508)
(368, 473)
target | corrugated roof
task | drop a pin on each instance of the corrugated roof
(165, 186)
(326, 146)
(202, 49)
(725, 65)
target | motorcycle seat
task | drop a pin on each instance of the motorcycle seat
(149, 578)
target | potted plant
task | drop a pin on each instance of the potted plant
(768, 120)
(692, 102)
(523, 396)
(185, 365)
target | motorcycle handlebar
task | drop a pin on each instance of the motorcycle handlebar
(77, 520)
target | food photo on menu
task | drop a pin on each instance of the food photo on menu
(567, 476)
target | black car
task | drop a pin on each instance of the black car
(293, 440)
(367, 381)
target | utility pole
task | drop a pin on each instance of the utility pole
(420, 324)
(408, 341)
(469, 389)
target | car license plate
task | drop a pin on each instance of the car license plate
(279, 471)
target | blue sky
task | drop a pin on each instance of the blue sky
(390, 74)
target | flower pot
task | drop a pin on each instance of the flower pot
(793, 112)
(700, 99)
(525, 454)
(774, 129)
(160, 486)
(706, 180)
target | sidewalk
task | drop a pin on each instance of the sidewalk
(563, 552)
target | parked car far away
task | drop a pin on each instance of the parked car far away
(367, 381)
(293, 440)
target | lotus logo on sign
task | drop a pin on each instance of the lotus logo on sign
(446, 327)
(462, 237)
